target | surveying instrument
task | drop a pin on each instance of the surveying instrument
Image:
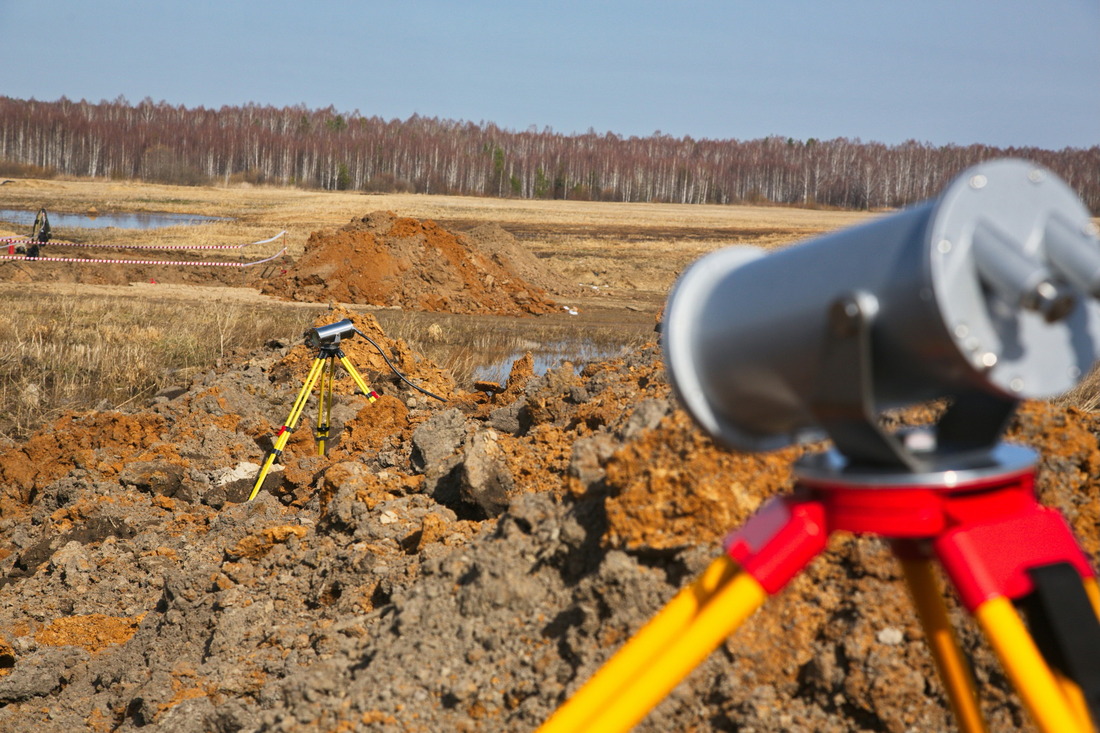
(979, 298)
(326, 339)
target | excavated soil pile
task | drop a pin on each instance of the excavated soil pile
(504, 249)
(446, 567)
(385, 260)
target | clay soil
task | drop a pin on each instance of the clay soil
(448, 565)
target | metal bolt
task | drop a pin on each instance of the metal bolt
(1035, 175)
(978, 181)
(943, 246)
(844, 317)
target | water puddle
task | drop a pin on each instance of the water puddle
(547, 357)
(125, 220)
(483, 347)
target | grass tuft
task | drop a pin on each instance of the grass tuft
(1086, 395)
(61, 353)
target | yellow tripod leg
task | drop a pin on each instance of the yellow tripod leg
(658, 632)
(291, 421)
(659, 656)
(732, 605)
(1026, 668)
(1070, 688)
(1092, 589)
(359, 381)
(328, 401)
(324, 405)
(1075, 698)
(940, 636)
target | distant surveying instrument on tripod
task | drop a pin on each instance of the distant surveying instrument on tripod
(980, 298)
(326, 340)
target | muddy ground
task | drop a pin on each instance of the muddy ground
(458, 565)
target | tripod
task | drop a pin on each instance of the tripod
(323, 371)
(979, 520)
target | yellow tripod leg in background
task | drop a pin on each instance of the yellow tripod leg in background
(1034, 682)
(291, 421)
(359, 382)
(662, 653)
(952, 666)
(324, 405)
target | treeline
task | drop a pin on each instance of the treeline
(156, 141)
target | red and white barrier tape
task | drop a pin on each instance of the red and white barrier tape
(12, 240)
(143, 262)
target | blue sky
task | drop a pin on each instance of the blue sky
(1006, 73)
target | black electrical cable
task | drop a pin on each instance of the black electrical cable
(399, 374)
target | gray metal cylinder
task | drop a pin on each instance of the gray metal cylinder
(745, 330)
(330, 333)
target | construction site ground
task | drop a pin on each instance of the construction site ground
(457, 565)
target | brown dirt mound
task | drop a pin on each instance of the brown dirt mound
(385, 260)
(507, 251)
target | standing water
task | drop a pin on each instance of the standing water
(125, 220)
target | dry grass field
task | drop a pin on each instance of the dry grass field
(637, 247)
(66, 337)
(621, 259)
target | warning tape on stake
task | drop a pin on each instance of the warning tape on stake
(144, 262)
(12, 240)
